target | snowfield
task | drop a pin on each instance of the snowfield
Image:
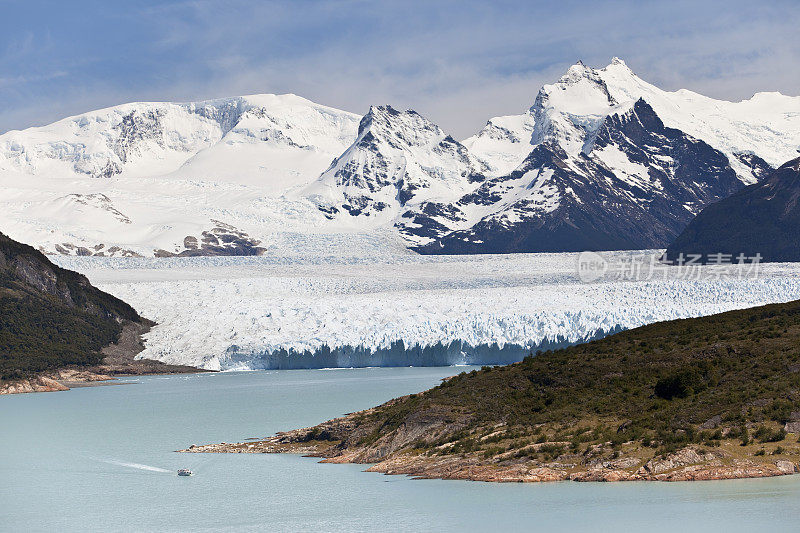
(227, 176)
(355, 301)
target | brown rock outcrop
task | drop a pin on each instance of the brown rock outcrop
(37, 384)
(687, 464)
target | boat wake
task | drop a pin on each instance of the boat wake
(138, 466)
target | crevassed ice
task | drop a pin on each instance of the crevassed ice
(316, 312)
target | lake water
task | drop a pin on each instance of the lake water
(101, 458)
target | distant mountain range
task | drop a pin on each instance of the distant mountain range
(762, 219)
(602, 160)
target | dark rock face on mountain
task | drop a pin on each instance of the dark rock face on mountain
(758, 167)
(51, 317)
(221, 240)
(635, 185)
(761, 219)
(399, 160)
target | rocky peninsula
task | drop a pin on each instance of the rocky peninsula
(716, 397)
(118, 360)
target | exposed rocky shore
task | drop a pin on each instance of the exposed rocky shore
(58, 380)
(692, 463)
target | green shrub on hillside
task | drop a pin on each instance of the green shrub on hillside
(51, 317)
(656, 384)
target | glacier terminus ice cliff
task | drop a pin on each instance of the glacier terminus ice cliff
(366, 306)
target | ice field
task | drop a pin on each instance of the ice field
(395, 308)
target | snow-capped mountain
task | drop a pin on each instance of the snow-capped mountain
(573, 108)
(399, 161)
(164, 178)
(637, 187)
(279, 140)
(601, 160)
(604, 160)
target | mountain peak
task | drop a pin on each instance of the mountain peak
(618, 70)
(617, 61)
(578, 75)
(581, 70)
(577, 71)
(382, 109)
(406, 125)
(387, 110)
(399, 161)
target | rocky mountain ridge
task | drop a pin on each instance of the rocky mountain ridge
(636, 188)
(601, 160)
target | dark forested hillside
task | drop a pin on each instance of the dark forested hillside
(51, 317)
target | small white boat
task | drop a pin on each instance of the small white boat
(185, 472)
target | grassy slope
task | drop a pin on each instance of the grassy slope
(46, 329)
(650, 388)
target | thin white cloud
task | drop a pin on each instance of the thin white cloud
(457, 62)
(22, 80)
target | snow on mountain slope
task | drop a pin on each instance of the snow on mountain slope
(313, 311)
(136, 139)
(230, 176)
(503, 143)
(571, 110)
(398, 161)
(637, 187)
(566, 112)
(612, 162)
(167, 216)
(768, 124)
(278, 142)
(165, 178)
(150, 139)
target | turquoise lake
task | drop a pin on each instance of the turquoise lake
(102, 459)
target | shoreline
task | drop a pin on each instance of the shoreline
(688, 464)
(68, 379)
(119, 361)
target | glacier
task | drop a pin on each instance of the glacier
(353, 300)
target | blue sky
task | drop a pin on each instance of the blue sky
(458, 62)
